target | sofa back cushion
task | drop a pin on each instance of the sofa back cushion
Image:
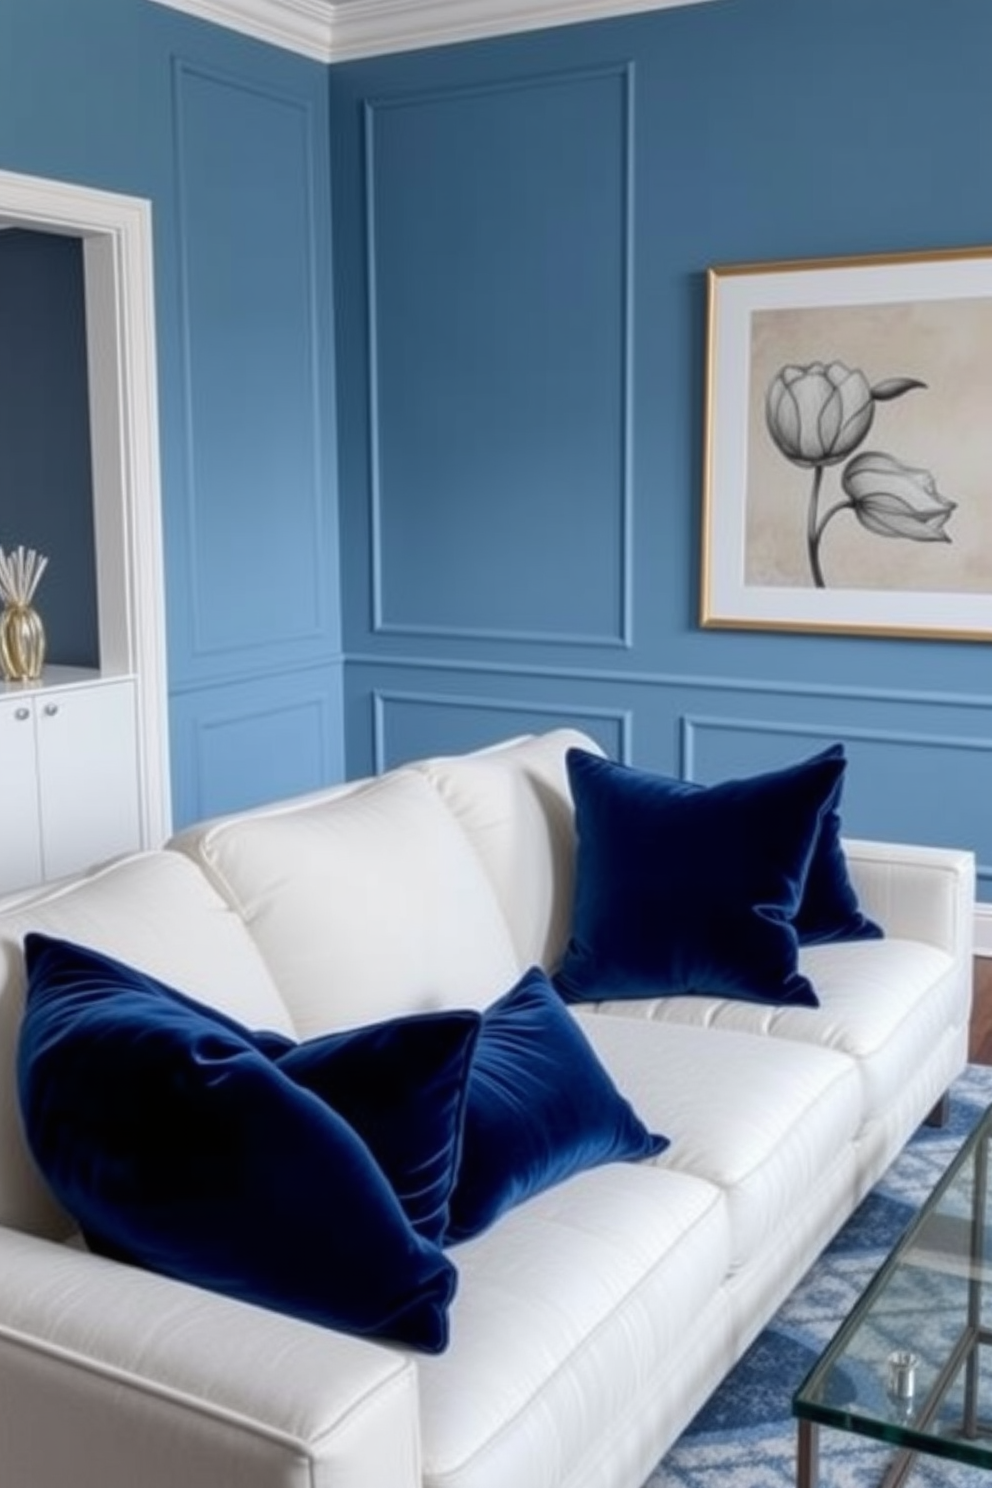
(156, 911)
(365, 903)
(514, 804)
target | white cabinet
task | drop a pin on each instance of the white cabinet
(20, 832)
(69, 778)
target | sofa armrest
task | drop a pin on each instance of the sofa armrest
(113, 1376)
(917, 893)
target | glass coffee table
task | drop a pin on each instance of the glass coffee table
(909, 1365)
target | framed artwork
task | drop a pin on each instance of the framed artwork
(848, 455)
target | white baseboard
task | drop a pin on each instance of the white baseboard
(983, 929)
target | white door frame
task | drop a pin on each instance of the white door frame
(116, 236)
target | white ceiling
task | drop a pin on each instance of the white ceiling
(336, 30)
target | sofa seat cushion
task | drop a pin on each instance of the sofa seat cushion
(156, 910)
(514, 804)
(365, 904)
(885, 1004)
(172, 1135)
(761, 1120)
(565, 1310)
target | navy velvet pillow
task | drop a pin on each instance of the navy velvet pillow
(541, 1106)
(829, 909)
(401, 1085)
(682, 888)
(177, 1142)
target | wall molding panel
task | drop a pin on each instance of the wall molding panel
(912, 761)
(693, 727)
(493, 499)
(900, 746)
(293, 722)
(253, 423)
(476, 716)
(640, 677)
(223, 737)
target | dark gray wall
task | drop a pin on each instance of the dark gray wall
(46, 494)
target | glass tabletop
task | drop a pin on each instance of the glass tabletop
(912, 1364)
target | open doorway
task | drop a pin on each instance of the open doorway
(114, 234)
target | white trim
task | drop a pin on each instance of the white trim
(339, 30)
(983, 929)
(116, 232)
(368, 28)
(302, 26)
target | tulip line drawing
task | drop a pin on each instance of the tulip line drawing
(817, 415)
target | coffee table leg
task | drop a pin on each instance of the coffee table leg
(808, 1455)
(976, 1286)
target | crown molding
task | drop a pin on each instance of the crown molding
(302, 26)
(368, 28)
(343, 30)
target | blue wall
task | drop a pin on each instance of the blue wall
(522, 232)
(228, 138)
(432, 461)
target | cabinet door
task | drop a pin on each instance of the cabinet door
(88, 775)
(20, 838)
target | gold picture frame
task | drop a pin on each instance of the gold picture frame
(848, 446)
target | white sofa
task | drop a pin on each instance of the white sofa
(590, 1321)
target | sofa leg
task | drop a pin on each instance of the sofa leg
(941, 1113)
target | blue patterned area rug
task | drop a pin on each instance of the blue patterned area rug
(745, 1436)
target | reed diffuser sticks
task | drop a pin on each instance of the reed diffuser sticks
(22, 635)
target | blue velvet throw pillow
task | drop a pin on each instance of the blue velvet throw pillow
(829, 908)
(682, 888)
(401, 1085)
(541, 1106)
(179, 1144)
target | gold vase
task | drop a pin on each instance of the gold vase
(22, 643)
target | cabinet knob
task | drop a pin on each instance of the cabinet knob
(22, 714)
(51, 709)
